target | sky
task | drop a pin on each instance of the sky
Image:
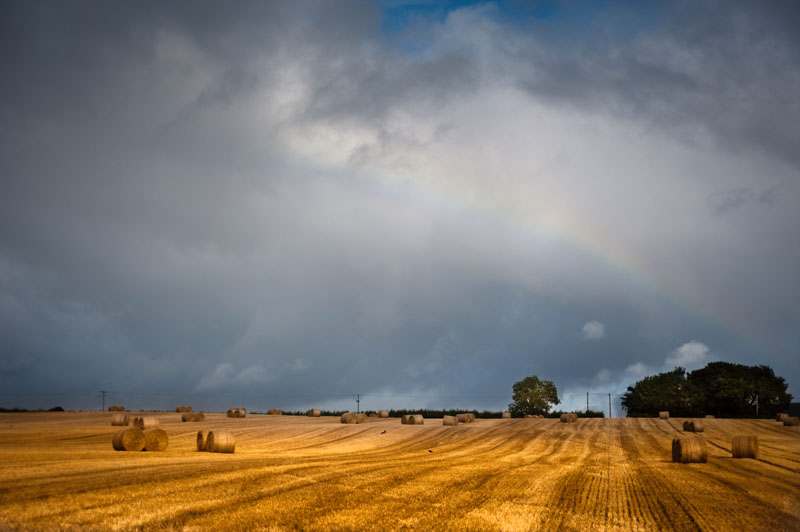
(284, 204)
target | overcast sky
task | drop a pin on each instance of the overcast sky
(282, 204)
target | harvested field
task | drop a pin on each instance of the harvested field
(299, 473)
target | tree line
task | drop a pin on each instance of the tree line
(722, 389)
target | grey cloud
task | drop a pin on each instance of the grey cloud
(730, 200)
(717, 68)
(364, 88)
(159, 236)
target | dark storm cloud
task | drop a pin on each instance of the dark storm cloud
(721, 68)
(166, 231)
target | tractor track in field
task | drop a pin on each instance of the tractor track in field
(313, 475)
(737, 517)
(665, 504)
(708, 440)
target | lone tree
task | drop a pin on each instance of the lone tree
(533, 396)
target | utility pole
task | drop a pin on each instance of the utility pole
(358, 403)
(103, 395)
(609, 405)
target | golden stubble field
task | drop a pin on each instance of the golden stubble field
(59, 472)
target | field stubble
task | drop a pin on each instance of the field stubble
(293, 473)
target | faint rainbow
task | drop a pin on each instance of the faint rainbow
(558, 223)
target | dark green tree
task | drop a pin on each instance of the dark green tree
(721, 388)
(532, 396)
(733, 390)
(669, 391)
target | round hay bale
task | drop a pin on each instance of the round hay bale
(466, 417)
(116, 408)
(528, 416)
(199, 416)
(202, 436)
(745, 446)
(187, 416)
(506, 415)
(791, 421)
(229, 413)
(693, 426)
(449, 421)
(239, 412)
(361, 418)
(373, 415)
(349, 418)
(573, 417)
(565, 418)
(780, 417)
(314, 412)
(383, 413)
(416, 419)
(275, 412)
(130, 439)
(709, 416)
(145, 422)
(663, 415)
(155, 440)
(220, 441)
(689, 450)
(404, 419)
(179, 409)
(120, 419)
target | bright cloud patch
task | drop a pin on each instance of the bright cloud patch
(689, 354)
(226, 375)
(593, 330)
(636, 369)
(603, 376)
